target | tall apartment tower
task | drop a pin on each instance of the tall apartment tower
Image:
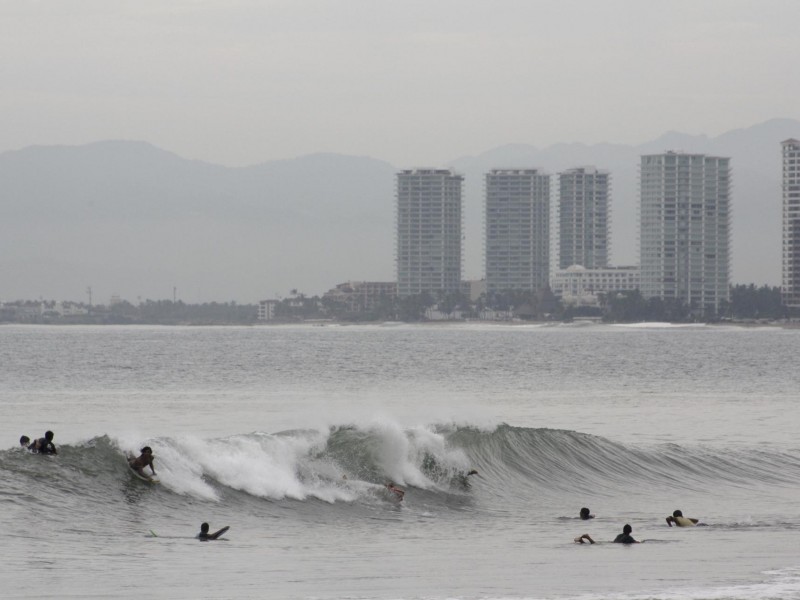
(685, 229)
(790, 280)
(517, 230)
(583, 218)
(429, 224)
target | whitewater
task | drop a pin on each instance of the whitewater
(290, 434)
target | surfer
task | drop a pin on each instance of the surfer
(679, 520)
(204, 536)
(585, 516)
(24, 442)
(399, 493)
(625, 537)
(462, 479)
(44, 445)
(145, 459)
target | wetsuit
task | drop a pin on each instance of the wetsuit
(42, 446)
(624, 538)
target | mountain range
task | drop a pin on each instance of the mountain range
(128, 218)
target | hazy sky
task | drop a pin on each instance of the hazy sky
(414, 83)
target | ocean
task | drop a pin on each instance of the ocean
(289, 435)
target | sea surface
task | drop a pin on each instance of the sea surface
(289, 435)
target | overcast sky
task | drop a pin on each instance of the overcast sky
(239, 82)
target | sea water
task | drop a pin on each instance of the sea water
(289, 434)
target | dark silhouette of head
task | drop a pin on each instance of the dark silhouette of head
(585, 513)
(204, 528)
(472, 472)
(627, 529)
(146, 450)
(24, 440)
(677, 513)
(48, 435)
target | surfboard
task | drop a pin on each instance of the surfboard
(147, 479)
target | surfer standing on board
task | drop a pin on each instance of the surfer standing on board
(145, 459)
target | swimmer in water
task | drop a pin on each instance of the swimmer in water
(679, 520)
(585, 514)
(24, 442)
(625, 537)
(204, 536)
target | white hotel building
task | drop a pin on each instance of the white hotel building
(790, 280)
(583, 217)
(429, 226)
(577, 285)
(517, 230)
(685, 229)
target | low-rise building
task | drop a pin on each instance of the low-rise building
(362, 296)
(266, 309)
(577, 285)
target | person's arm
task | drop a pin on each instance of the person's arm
(216, 534)
(586, 537)
(152, 468)
(670, 520)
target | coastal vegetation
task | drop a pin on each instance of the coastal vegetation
(748, 303)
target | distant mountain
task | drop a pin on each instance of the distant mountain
(129, 218)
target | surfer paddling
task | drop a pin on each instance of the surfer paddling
(679, 520)
(623, 538)
(44, 445)
(145, 459)
(204, 536)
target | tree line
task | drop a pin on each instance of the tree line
(747, 302)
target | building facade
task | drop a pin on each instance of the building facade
(266, 309)
(578, 285)
(363, 296)
(517, 219)
(429, 226)
(685, 229)
(790, 277)
(583, 217)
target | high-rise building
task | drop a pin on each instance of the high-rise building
(685, 229)
(429, 225)
(583, 217)
(790, 280)
(517, 230)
